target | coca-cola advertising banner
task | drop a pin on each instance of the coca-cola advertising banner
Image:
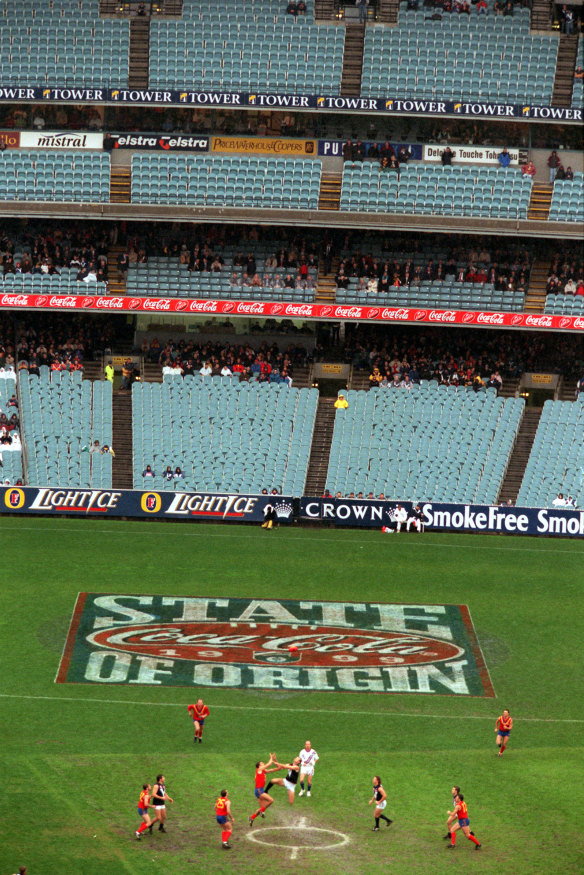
(329, 312)
(244, 100)
(471, 518)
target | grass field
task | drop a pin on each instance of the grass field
(74, 756)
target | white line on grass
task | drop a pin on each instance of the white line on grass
(288, 710)
(418, 541)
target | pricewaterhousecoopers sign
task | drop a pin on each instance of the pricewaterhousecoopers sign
(387, 105)
(235, 507)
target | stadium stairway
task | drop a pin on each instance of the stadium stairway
(536, 294)
(353, 60)
(566, 64)
(120, 185)
(321, 447)
(540, 202)
(325, 283)
(122, 441)
(151, 373)
(541, 16)
(117, 280)
(566, 389)
(324, 10)
(387, 12)
(330, 191)
(139, 52)
(358, 379)
(520, 455)
(510, 388)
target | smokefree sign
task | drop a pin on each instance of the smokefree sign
(245, 643)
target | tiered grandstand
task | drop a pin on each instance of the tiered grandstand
(429, 190)
(60, 43)
(430, 444)
(460, 57)
(224, 435)
(62, 416)
(70, 176)
(226, 181)
(556, 463)
(249, 45)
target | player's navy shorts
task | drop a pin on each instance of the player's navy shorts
(199, 720)
(142, 811)
(258, 791)
(463, 821)
(222, 819)
(505, 733)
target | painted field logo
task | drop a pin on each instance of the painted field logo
(245, 643)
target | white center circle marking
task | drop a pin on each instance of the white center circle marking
(340, 838)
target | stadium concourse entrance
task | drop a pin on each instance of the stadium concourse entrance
(330, 378)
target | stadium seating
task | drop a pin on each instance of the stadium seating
(242, 46)
(166, 277)
(63, 283)
(460, 57)
(64, 175)
(61, 415)
(448, 295)
(578, 91)
(430, 443)
(556, 461)
(62, 43)
(11, 459)
(568, 200)
(564, 305)
(292, 183)
(226, 436)
(435, 190)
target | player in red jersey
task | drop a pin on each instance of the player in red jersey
(503, 727)
(463, 823)
(224, 817)
(265, 800)
(198, 712)
(451, 814)
(143, 806)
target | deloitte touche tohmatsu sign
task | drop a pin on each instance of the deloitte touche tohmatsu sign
(245, 643)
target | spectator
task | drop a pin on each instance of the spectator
(386, 151)
(178, 474)
(569, 174)
(300, 7)
(566, 20)
(148, 472)
(504, 158)
(553, 163)
(359, 151)
(168, 475)
(291, 8)
(559, 501)
(206, 370)
(579, 72)
(127, 375)
(404, 155)
(528, 169)
(560, 172)
(373, 151)
(446, 157)
(482, 7)
(109, 372)
(341, 403)
(106, 450)
(109, 143)
(94, 448)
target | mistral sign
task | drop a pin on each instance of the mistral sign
(273, 644)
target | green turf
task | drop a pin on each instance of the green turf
(74, 756)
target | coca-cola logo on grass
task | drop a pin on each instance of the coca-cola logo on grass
(267, 643)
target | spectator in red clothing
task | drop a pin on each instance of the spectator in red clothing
(529, 169)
